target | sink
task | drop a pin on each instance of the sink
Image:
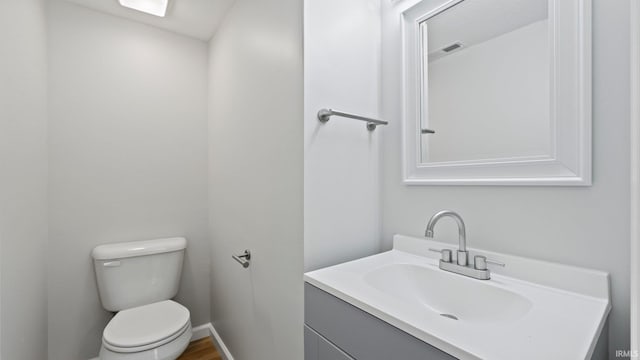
(521, 312)
(453, 296)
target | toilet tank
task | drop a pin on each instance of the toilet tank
(136, 273)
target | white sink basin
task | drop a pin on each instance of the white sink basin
(450, 295)
(529, 310)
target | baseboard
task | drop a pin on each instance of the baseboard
(200, 332)
(207, 329)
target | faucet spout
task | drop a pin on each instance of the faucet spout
(462, 237)
(477, 270)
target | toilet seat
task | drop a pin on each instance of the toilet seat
(169, 351)
(146, 327)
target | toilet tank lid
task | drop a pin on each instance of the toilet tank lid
(138, 248)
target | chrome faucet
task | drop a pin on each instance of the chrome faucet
(461, 266)
(462, 257)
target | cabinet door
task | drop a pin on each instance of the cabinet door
(328, 351)
(317, 347)
(311, 340)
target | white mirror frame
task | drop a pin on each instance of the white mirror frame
(569, 162)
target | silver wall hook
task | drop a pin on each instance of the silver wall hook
(244, 259)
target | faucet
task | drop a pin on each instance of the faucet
(461, 266)
(462, 257)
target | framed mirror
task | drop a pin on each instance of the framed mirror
(497, 92)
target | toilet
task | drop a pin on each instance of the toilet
(137, 280)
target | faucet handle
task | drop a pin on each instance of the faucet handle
(493, 262)
(480, 262)
(445, 254)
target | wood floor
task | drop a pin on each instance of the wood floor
(202, 349)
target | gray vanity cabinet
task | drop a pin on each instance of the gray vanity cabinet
(337, 330)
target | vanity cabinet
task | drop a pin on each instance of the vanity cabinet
(337, 330)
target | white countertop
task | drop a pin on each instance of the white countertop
(569, 305)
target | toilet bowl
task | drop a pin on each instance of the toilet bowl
(158, 331)
(137, 281)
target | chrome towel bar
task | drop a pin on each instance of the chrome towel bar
(325, 114)
(244, 259)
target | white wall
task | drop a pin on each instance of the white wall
(491, 100)
(586, 227)
(23, 180)
(128, 161)
(341, 165)
(256, 179)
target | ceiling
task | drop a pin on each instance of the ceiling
(475, 21)
(194, 18)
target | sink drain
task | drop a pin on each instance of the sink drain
(450, 316)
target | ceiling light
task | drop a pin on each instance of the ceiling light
(153, 7)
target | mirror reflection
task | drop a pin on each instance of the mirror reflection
(486, 82)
